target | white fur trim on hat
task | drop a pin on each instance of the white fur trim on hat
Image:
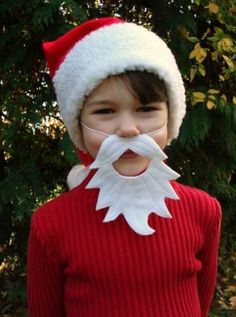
(112, 50)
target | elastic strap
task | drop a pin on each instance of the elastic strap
(103, 133)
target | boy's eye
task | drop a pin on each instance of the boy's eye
(104, 111)
(146, 109)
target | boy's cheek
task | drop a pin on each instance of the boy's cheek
(162, 138)
(92, 142)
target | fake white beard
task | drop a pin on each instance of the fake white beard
(133, 197)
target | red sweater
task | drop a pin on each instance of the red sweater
(79, 266)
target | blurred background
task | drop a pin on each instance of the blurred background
(36, 153)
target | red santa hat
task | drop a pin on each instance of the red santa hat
(82, 58)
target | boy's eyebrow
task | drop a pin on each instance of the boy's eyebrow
(99, 102)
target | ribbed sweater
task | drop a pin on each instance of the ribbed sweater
(79, 266)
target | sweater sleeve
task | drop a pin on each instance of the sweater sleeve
(208, 257)
(44, 277)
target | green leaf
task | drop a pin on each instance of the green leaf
(195, 127)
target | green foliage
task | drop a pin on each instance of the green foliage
(36, 153)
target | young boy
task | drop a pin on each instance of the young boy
(126, 240)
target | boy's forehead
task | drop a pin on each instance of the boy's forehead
(115, 81)
(110, 88)
(97, 101)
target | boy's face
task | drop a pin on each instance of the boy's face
(113, 108)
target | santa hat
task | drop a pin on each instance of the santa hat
(79, 60)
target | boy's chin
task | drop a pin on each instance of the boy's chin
(131, 166)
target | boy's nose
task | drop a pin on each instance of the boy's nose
(127, 128)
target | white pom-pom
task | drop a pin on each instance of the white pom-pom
(76, 175)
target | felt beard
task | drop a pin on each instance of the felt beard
(134, 197)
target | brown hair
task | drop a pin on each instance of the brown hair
(148, 87)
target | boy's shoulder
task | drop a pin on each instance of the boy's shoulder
(199, 201)
(65, 201)
(188, 190)
(62, 201)
(58, 213)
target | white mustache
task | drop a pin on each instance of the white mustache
(114, 146)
